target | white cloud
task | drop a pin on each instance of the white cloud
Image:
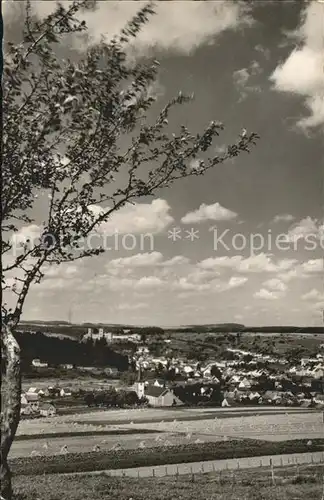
(147, 259)
(138, 260)
(289, 275)
(313, 266)
(176, 26)
(151, 217)
(208, 212)
(31, 232)
(305, 228)
(266, 295)
(275, 284)
(242, 79)
(184, 284)
(302, 72)
(314, 294)
(236, 281)
(132, 307)
(283, 218)
(253, 264)
(149, 282)
(177, 260)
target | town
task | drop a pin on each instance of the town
(234, 377)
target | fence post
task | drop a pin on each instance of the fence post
(272, 473)
(166, 470)
(177, 473)
(192, 475)
(153, 472)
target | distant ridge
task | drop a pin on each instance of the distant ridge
(215, 327)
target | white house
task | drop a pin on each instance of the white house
(159, 382)
(65, 392)
(37, 363)
(35, 390)
(47, 410)
(244, 384)
(160, 396)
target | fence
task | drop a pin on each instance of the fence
(222, 465)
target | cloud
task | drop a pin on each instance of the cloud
(313, 266)
(314, 294)
(302, 72)
(177, 260)
(146, 259)
(31, 232)
(208, 212)
(253, 264)
(184, 284)
(283, 218)
(265, 295)
(149, 282)
(131, 307)
(275, 284)
(138, 260)
(151, 217)
(242, 79)
(176, 27)
(302, 270)
(305, 228)
(236, 281)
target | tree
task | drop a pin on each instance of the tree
(89, 399)
(215, 372)
(128, 378)
(63, 124)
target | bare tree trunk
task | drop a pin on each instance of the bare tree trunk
(10, 404)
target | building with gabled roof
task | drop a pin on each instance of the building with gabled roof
(161, 396)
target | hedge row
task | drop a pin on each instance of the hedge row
(52, 435)
(123, 459)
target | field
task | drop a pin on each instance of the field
(132, 429)
(199, 453)
(290, 484)
(86, 383)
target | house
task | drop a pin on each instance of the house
(65, 392)
(37, 363)
(254, 396)
(161, 396)
(244, 384)
(319, 399)
(47, 410)
(23, 399)
(159, 382)
(52, 392)
(318, 372)
(31, 400)
(225, 403)
(25, 409)
(35, 390)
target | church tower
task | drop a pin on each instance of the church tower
(140, 385)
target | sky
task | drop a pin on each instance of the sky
(205, 250)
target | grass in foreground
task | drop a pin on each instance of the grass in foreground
(252, 485)
(123, 459)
